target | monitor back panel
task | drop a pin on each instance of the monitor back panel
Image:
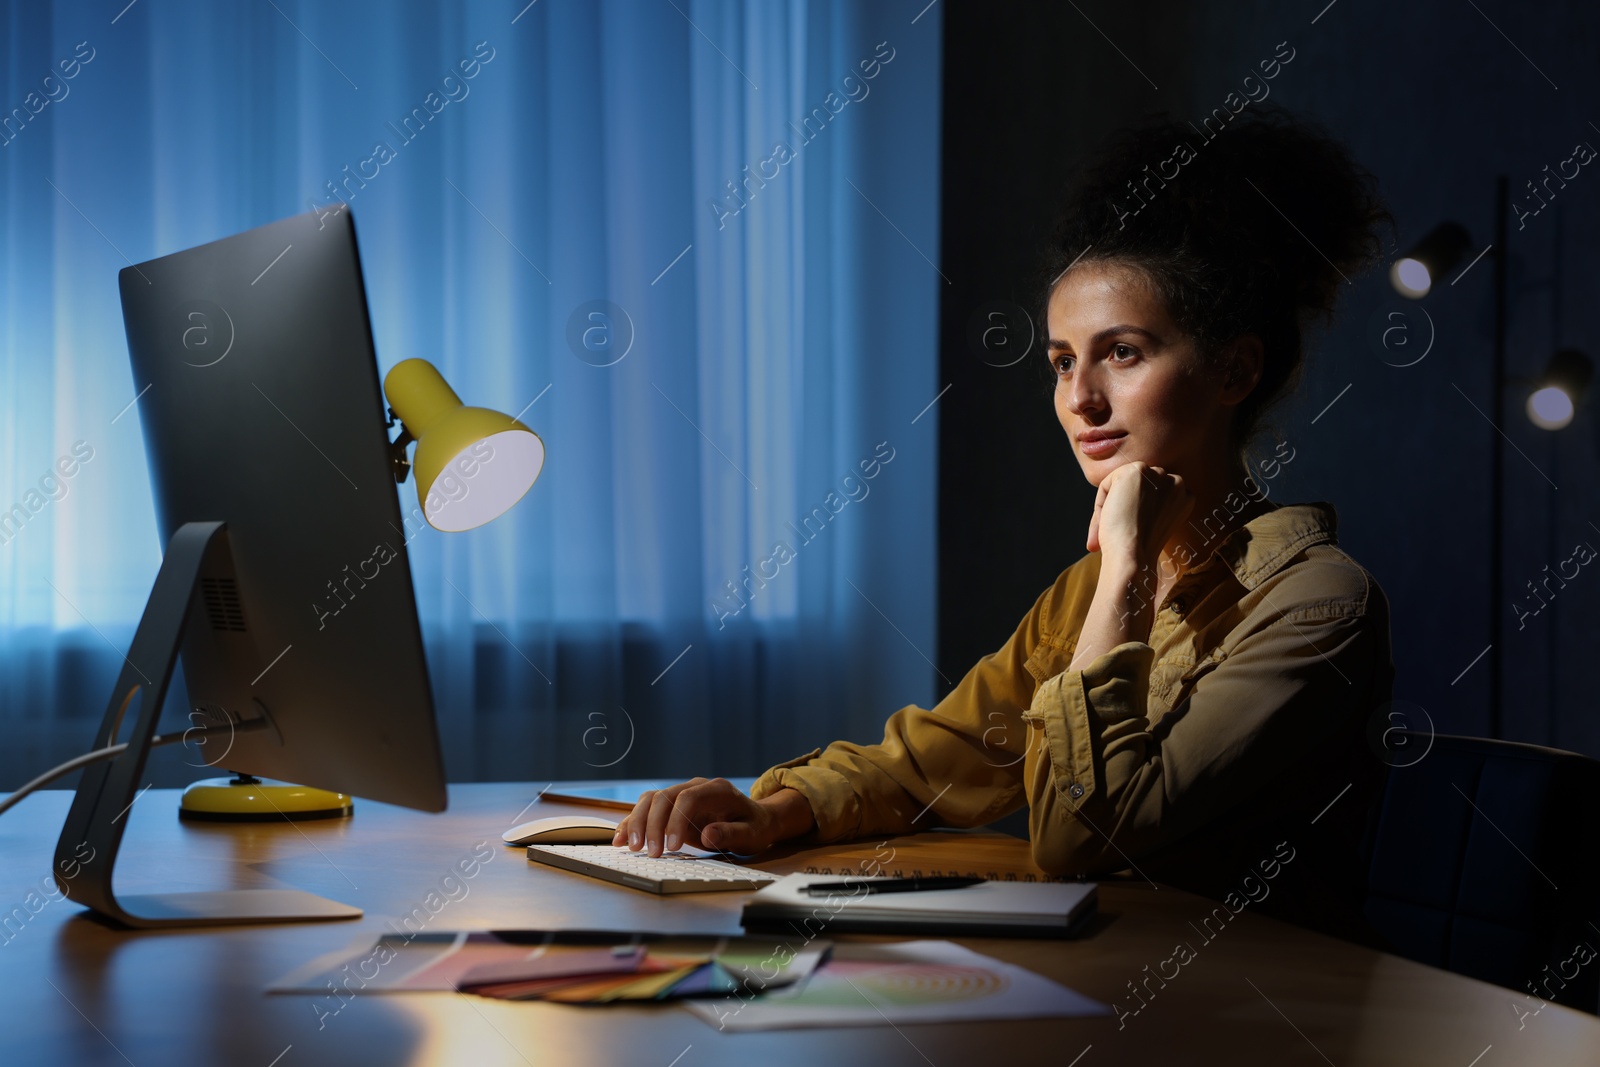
(261, 408)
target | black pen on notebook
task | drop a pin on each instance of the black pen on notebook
(887, 885)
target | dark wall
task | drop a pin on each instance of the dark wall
(1021, 113)
(1436, 101)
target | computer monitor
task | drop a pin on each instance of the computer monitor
(285, 580)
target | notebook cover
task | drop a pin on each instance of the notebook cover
(993, 909)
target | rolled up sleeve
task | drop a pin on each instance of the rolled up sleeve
(1107, 693)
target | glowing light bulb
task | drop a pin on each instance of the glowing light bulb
(1411, 278)
(1550, 408)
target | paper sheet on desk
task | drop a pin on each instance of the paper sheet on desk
(904, 982)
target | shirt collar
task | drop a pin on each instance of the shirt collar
(1264, 545)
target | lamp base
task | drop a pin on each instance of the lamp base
(244, 798)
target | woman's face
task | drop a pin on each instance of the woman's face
(1127, 375)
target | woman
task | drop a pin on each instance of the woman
(1189, 700)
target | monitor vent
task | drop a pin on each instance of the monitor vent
(222, 604)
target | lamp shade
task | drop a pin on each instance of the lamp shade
(472, 464)
(1561, 389)
(1440, 249)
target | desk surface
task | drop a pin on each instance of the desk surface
(81, 992)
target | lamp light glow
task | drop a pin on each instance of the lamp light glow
(1411, 278)
(472, 464)
(1550, 408)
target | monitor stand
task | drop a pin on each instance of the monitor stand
(87, 850)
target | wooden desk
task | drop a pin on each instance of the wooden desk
(76, 991)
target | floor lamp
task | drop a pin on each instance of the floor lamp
(1550, 406)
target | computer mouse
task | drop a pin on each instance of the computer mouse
(562, 830)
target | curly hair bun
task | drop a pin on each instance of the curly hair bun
(1244, 227)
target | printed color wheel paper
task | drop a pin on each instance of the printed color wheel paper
(908, 982)
(570, 967)
(737, 983)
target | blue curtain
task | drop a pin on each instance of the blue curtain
(691, 240)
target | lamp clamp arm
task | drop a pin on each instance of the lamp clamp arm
(397, 449)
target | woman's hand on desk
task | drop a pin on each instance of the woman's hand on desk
(710, 813)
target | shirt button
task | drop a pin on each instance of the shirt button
(1177, 606)
(1075, 790)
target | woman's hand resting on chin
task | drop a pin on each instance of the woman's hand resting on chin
(1136, 509)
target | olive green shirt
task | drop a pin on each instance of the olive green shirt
(1186, 759)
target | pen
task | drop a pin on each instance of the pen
(888, 885)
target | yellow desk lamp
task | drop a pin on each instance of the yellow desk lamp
(472, 465)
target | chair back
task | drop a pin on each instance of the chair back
(1486, 862)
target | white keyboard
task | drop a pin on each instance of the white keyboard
(671, 872)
